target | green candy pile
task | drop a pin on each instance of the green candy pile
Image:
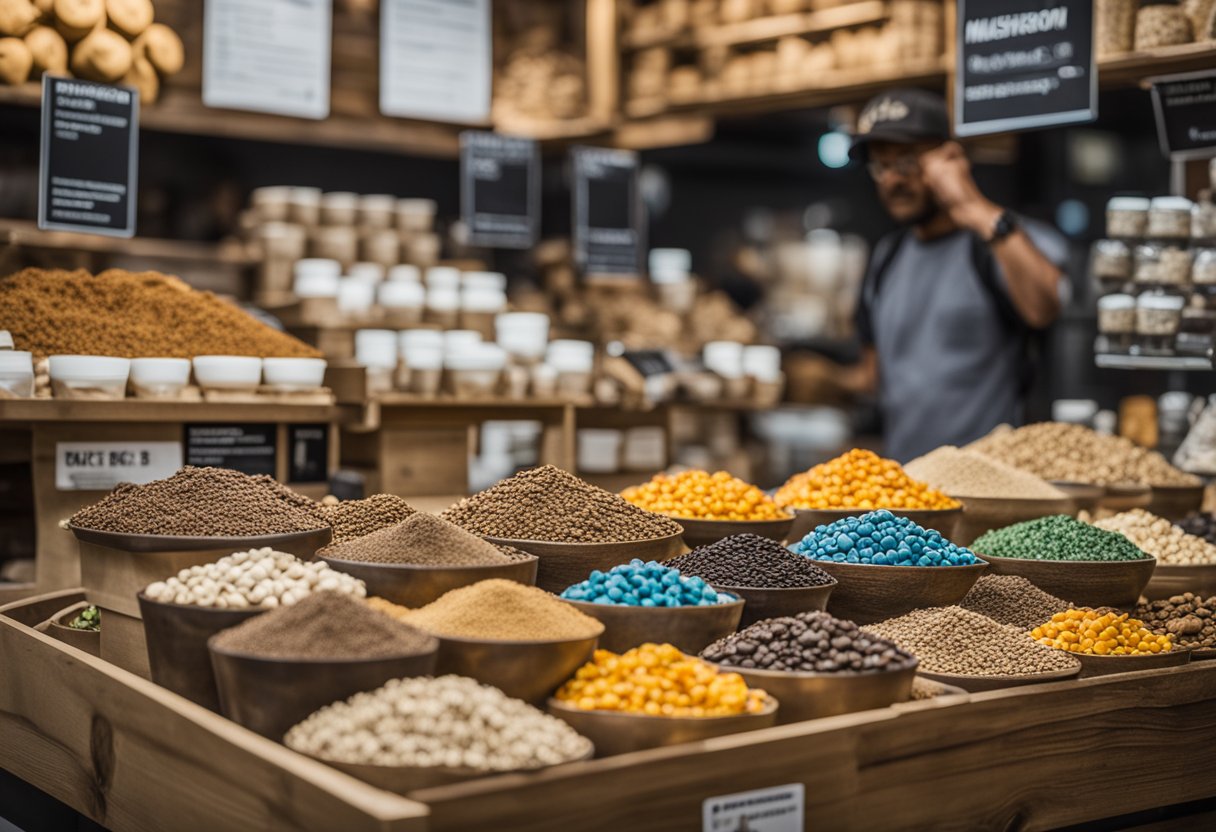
(1058, 537)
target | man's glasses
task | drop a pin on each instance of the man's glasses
(906, 165)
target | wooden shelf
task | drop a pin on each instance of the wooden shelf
(24, 234)
(768, 28)
(1135, 68)
(1163, 363)
(135, 410)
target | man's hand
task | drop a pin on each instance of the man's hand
(947, 174)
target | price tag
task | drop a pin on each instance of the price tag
(308, 446)
(779, 809)
(249, 448)
(90, 157)
(1185, 106)
(1022, 64)
(99, 466)
(499, 189)
(649, 362)
(607, 209)
(435, 59)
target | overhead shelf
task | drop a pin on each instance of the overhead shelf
(1153, 362)
(25, 234)
(1135, 68)
(767, 28)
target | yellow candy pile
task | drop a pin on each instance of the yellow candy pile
(700, 495)
(860, 479)
(1100, 634)
(659, 680)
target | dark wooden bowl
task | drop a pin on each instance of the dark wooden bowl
(691, 629)
(414, 585)
(979, 684)
(984, 514)
(1126, 496)
(703, 532)
(813, 695)
(1105, 665)
(1173, 502)
(527, 670)
(1175, 580)
(806, 520)
(762, 603)
(867, 593)
(1085, 496)
(564, 564)
(1084, 583)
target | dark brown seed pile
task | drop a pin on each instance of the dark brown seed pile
(810, 642)
(1013, 600)
(1190, 618)
(324, 625)
(1200, 524)
(355, 518)
(421, 539)
(748, 560)
(203, 502)
(550, 504)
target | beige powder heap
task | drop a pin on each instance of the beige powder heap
(503, 610)
(1160, 538)
(963, 473)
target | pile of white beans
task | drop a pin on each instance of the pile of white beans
(257, 578)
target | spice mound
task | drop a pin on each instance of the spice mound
(809, 642)
(1168, 543)
(1058, 537)
(881, 539)
(748, 560)
(959, 642)
(202, 502)
(1189, 618)
(1100, 634)
(445, 722)
(1012, 600)
(257, 578)
(550, 504)
(355, 518)
(860, 479)
(641, 584)
(699, 495)
(324, 626)
(963, 473)
(503, 610)
(423, 540)
(659, 680)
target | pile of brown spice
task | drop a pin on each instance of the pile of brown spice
(355, 518)
(130, 314)
(553, 505)
(503, 610)
(421, 539)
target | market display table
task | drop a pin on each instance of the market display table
(131, 755)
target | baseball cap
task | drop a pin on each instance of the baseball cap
(902, 116)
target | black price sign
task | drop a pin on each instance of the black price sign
(1023, 64)
(607, 211)
(90, 152)
(499, 189)
(308, 447)
(1186, 114)
(248, 448)
(649, 362)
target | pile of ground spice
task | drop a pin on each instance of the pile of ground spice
(505, 610)
(963, 473)
(355, 518)
(202, 502)
(1012, 600)
(130, 314)
(420, 539)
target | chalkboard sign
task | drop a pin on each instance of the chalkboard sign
(607, 211)
(1186, 114)
(1023, 64)
(248, 448)
(90, 157)
(499, 189)
(308, 450)
(649, 362)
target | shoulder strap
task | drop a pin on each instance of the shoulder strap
(884, 255)
(984, 263)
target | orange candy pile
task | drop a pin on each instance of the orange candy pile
(863, 480)
(699, 495)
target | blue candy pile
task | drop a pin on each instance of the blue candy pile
(645, 584)
(882, 539)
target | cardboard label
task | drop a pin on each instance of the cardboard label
(607, 209)
(779, 809)
(250, 448)
(1185, 106)
(435, 59)
(499, 189)
(1022, 64)
(90, 157)
(99, 466)
(308, 449)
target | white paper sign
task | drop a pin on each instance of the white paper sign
(99, 466)
(435, 59)
(779, 809)
(268, 56)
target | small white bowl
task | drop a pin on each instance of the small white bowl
(294, 373)
(228, 372)
(155, 377)
(89, 376)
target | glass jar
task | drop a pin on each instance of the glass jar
(1114, 26)
(1161, 23)
(1127, 216)
(1111, 263)
(1158, 316)
(1203, 219)
(1174, 265)
(1147, 270)
(1116, 322)
(1169, 218)
(1196, 331)
(1203, 268)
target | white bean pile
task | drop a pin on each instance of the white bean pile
(1161, 538)
(257, 578)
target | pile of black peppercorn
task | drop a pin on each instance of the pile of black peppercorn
(748, 560)
(1200, 524)
(812, 642)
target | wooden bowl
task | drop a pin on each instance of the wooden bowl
(1175, 580)
(762, 603)
(177, 637)
(869, 593)
(1173, 502)
(944, 521)
(691, 629)
(1106, 665)
(1202, 654)
(616, 732)
(1126, 496)
(87, 640)
(983, 514)
(813, 695)
(1085, 496)
(1084, 583)
(703, 532)
(269, 696)
(564, 564)
(414, 585)
(527, 670)
(979, 684)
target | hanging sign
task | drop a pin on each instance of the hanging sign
(90, 157)
(607, 209)
(499, 189)
(1024, 63)
(99, 466)
(248, 448)
(1185, 106)
(435, 59)
(308, 453)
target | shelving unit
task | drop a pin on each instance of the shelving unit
(25, 234)
(1107, 361)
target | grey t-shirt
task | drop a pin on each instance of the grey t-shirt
(949, 364)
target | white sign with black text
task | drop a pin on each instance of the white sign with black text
(779, 809)
(99, 466)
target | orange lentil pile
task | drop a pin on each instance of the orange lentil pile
(860, 479)
(700, 495)
(132, 315)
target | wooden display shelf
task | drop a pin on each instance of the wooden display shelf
(25, 234)
(1135, 68)
(773, 27)
(97, 738)
(136, 410)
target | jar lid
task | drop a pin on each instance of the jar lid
(1127, 203)
(1118, 301)
(339, 199)
(1148, 250)
(1167, 303)
(1171, 203)
(1112, 248)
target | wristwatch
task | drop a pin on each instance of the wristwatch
(1006, 224)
